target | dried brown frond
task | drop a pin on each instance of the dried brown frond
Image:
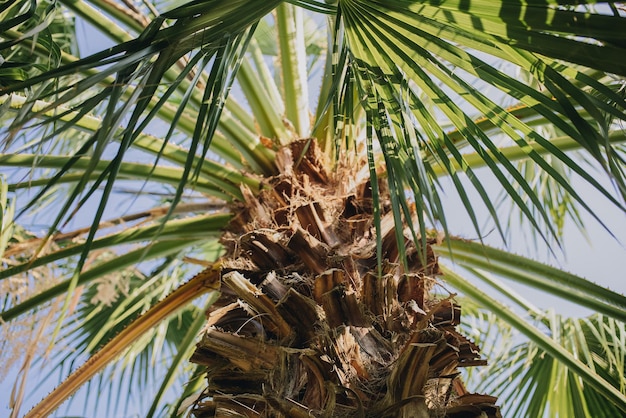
(308, 326)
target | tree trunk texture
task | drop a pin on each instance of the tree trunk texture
(309, 324)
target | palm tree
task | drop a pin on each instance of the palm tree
(317, 229)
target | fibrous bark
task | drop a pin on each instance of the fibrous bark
(311, 323)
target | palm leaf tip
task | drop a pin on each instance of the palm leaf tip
(305, 323)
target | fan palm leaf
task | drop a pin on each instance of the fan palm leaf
(546, 388)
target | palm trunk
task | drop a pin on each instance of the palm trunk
(307, 325)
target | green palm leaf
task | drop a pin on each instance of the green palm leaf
(544, 386)
(567, 361)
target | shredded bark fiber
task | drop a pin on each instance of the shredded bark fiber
(307, 325)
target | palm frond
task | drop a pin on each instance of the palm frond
(542, 385)
(201, 283)
(567, 360)
(294, 69)
(537, 275)
(403, 49)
